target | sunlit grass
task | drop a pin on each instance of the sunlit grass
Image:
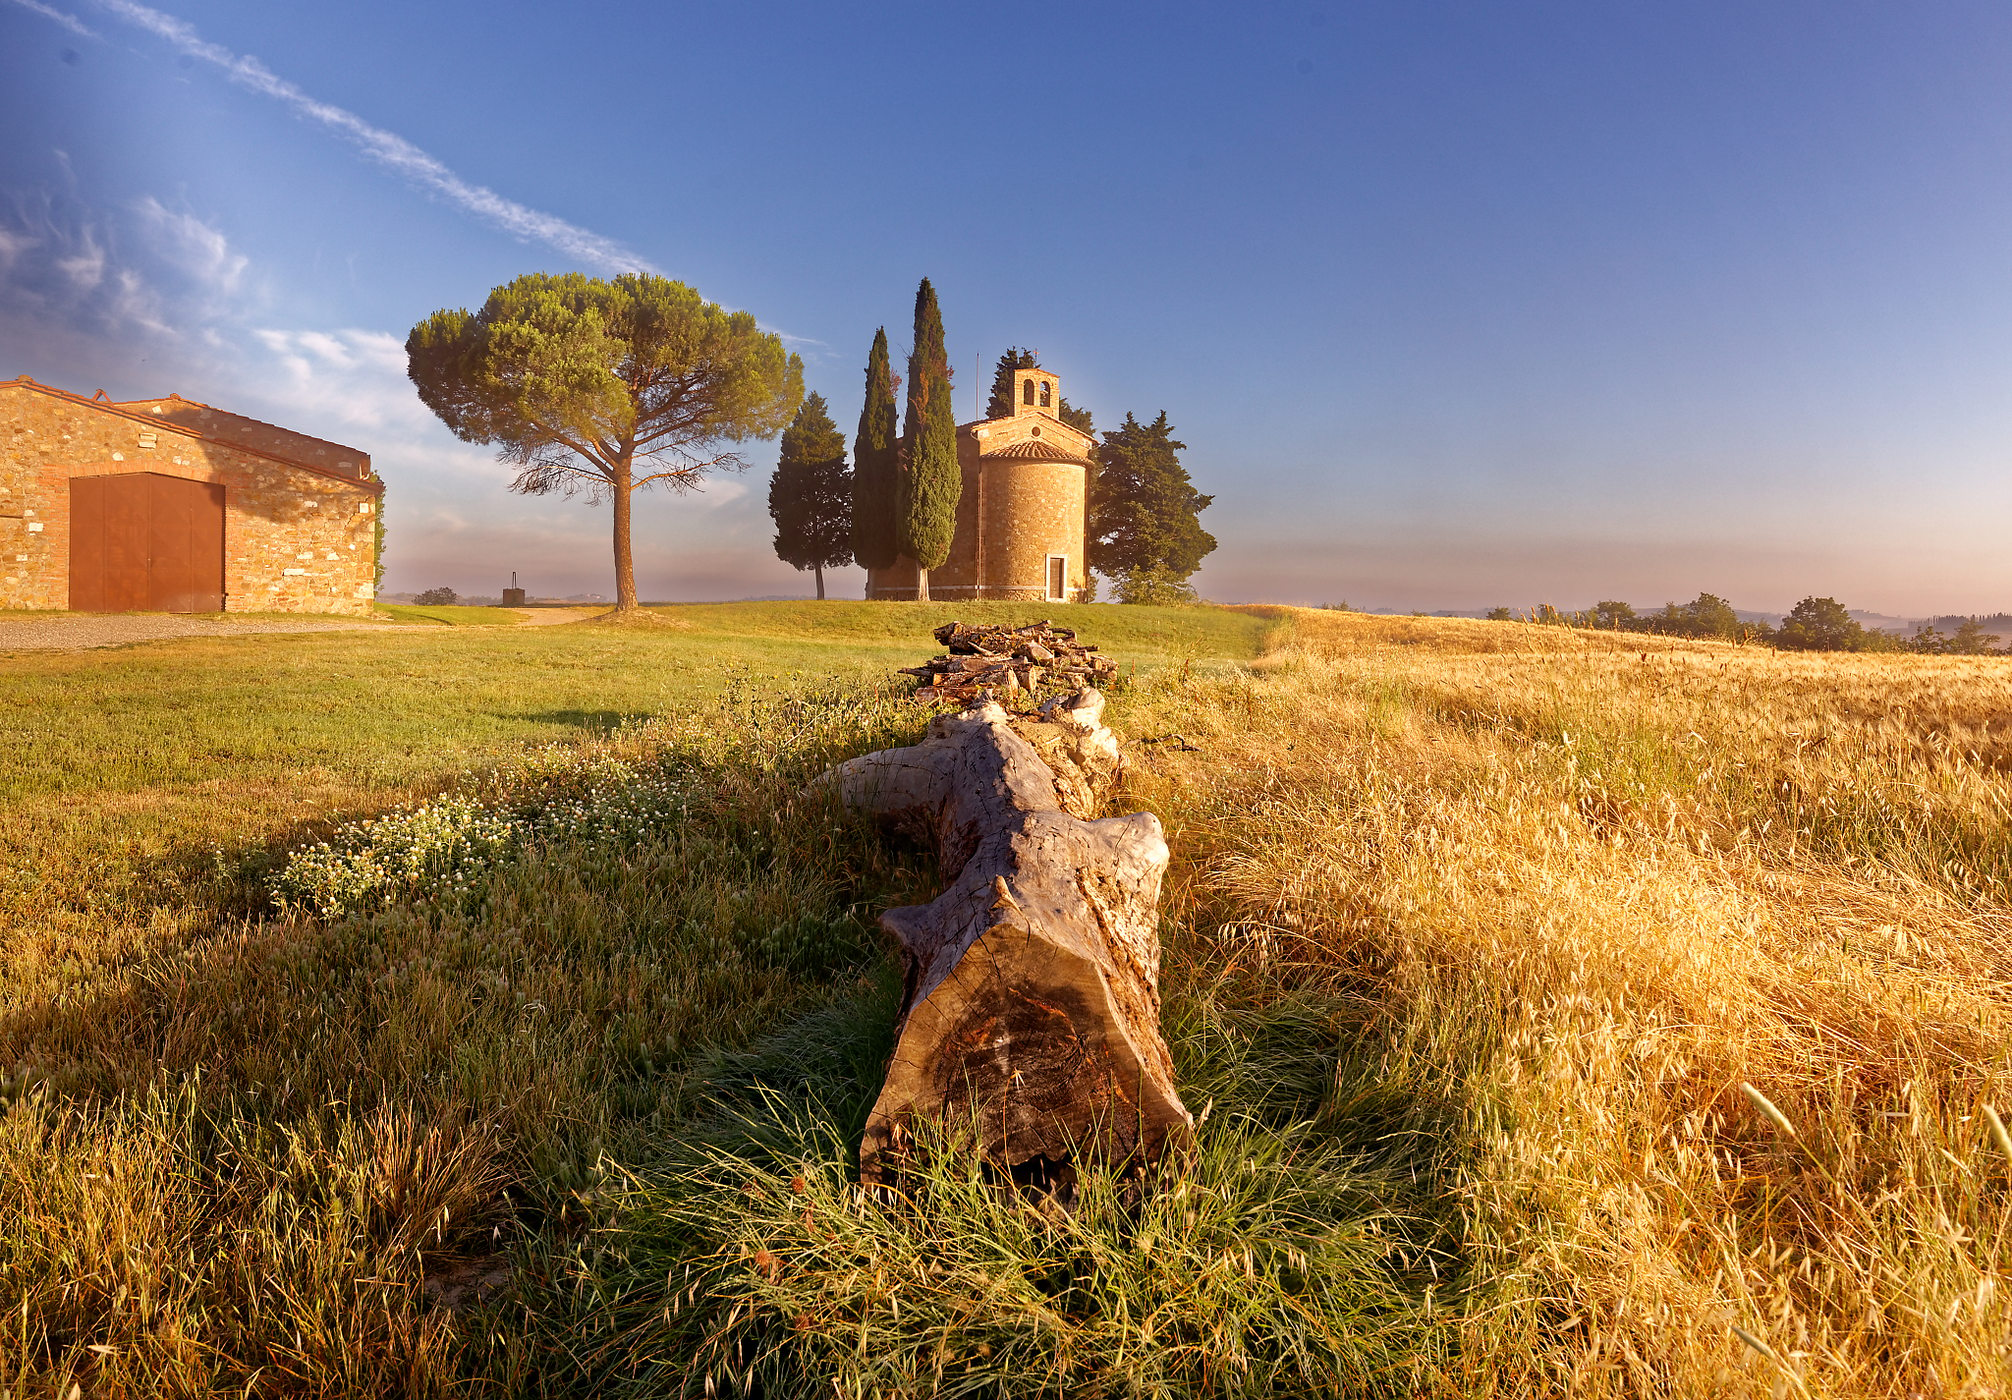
(1486, 942)
(1585, 896)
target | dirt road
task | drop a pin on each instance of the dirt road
(82, 631)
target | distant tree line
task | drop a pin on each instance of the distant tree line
(1814, 624)
(1999, 624)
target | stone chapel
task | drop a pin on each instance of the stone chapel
(1021, 519)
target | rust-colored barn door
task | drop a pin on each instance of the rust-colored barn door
(142, 542)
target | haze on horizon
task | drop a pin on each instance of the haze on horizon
(1453, 306)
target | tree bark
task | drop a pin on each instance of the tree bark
(625, 558)
(819, 570)
(1031, 993)
(921, 583)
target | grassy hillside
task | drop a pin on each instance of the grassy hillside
(549, 1086)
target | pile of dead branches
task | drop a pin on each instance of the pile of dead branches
(987, 662)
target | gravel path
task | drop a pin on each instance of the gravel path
(82, 631)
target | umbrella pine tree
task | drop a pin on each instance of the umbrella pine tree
(607, 386)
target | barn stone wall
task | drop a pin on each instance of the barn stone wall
(294, 540)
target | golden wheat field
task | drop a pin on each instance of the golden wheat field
(1577, 1015)
(1585, 892)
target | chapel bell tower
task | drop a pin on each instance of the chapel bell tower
(1036, 391)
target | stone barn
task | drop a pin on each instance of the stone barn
(168, 505)
(1020, 521)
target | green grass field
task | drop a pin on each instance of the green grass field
(484, 1011)
(450, 616)
(137, 774)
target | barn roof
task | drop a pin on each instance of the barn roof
(268, 438)
(198, 420)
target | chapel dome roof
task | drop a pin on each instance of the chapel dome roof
(1036, 450)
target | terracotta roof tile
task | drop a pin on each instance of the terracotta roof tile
(1035, 450)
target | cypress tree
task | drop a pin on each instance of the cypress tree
(931, 478)
(876, 476)
(810, 495)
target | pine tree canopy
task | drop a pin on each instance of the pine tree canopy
(1143, 508)
(931, 478)
(611, 385)
(810, 495)
(876, 480)
(575, 377)
(1077, 418)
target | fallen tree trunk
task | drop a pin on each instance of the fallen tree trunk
(1031, 996)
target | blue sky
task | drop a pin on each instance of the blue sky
(1453, 304)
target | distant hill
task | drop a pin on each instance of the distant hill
(1884, 622)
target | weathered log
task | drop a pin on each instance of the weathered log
(1031, 994)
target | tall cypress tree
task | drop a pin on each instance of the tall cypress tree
(931, 479)
(876, 473)
(810, 495)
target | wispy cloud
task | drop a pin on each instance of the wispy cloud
(68, 21)
(72, 277)
(201, 252)
(387, 148)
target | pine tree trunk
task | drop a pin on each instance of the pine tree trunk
(921, 584)
(819, 569)
(625, 558)
(1031, 998)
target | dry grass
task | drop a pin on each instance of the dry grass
(1581, 897)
